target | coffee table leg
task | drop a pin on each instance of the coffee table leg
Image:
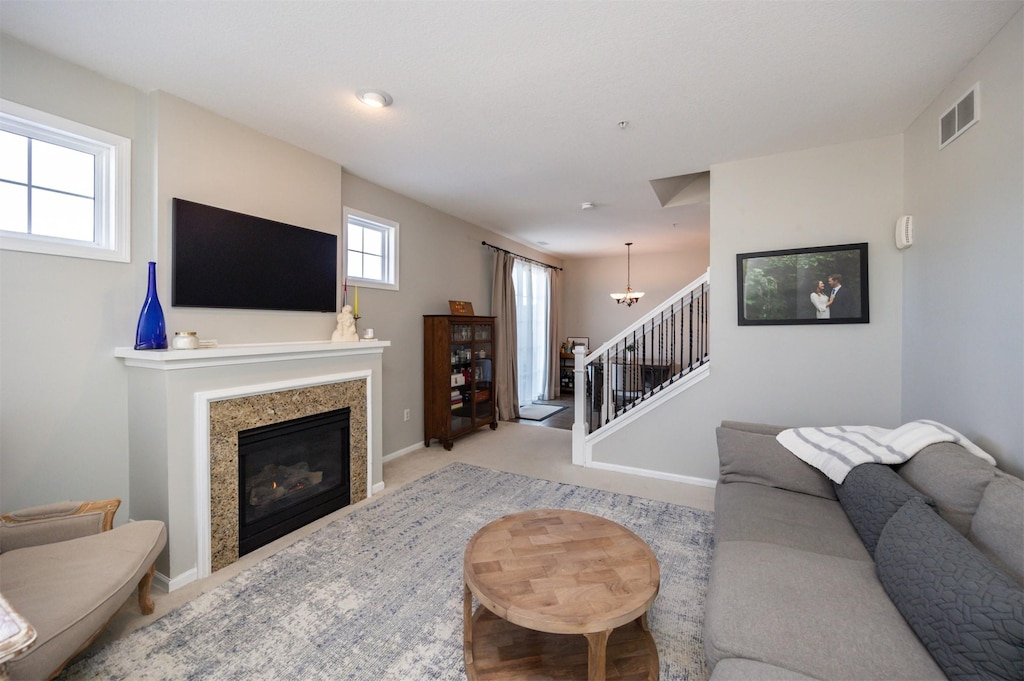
(467, 623)
(597, 657)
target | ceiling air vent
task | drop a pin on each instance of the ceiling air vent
(963, 115)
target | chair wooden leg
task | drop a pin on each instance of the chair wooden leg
(146, 604)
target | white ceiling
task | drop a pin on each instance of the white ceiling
(506, 113)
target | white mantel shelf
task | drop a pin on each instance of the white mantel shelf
(222, 355)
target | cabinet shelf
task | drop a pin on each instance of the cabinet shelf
(566, 367)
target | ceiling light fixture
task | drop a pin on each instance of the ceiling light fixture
(587, 205)
(630, 296)
(378, 99)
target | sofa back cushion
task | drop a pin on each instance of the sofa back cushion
(968, 613)
(953, 478)
(998, 525)
(871, 494)
(757, 457)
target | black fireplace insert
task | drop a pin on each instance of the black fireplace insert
(290, 474)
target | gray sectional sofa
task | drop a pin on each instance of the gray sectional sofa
(902, 572)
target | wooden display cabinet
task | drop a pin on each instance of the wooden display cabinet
(458, 376)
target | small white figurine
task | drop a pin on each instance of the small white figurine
(346, 331)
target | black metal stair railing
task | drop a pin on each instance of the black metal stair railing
(648, 357)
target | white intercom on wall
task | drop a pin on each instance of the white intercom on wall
(905, 232)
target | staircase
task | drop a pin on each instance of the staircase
(659, 355)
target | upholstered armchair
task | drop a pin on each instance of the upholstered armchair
(65, 571)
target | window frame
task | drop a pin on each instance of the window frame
(390, 230)
(112, 200)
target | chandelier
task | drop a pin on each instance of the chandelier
(630, 296)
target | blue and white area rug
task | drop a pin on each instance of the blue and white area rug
(377, 594)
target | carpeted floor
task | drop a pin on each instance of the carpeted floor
(377, 594)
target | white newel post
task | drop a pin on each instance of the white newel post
(579, 426)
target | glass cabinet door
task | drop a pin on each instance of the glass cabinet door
(483, 378)
(461, 357)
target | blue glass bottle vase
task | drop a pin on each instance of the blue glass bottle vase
(151, 333)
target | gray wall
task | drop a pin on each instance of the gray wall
(963, 333)
(589, 311)
(63, 395)
(794, 375)
(441, 260)
(946, 338)
(927, 352)
(63, 431)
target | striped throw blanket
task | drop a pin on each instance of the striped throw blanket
(836, 450)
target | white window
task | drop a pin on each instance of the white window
(371, 250)
(64, 187)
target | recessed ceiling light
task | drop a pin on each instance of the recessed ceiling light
(587, 205)
(378, 99)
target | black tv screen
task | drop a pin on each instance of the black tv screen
(221, 258)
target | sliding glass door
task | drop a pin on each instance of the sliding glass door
(533, 291)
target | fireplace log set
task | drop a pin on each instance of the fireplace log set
(276, 482)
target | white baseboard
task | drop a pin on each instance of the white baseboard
(402, 452)
(161, 580)
(673, 477)
(377, 489)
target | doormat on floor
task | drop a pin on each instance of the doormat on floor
(538, 412)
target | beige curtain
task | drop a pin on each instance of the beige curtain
(554, 385)
(503, 307)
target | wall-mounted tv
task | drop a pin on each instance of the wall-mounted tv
(224, 259)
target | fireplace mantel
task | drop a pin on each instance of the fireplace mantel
(169, 397)
(170, 360)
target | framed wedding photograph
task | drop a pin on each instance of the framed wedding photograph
(818, 285)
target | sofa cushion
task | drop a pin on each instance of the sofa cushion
(967, 612)
(870, 494)
(749, 427)
(70, 589)
(758, 457)
(998, 525)
(738, 669)
(952, 477)
(746, 511)
(821, 616)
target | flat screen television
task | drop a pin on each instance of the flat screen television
(224, 259)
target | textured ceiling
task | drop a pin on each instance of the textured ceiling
(507, 113)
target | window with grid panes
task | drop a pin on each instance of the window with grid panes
(64, 186)
(371, 250)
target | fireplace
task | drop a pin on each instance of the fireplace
(187, 407)
(291, 473)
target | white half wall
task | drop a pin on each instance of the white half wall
(790, 375)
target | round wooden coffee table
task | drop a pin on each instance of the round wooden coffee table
(545, 576)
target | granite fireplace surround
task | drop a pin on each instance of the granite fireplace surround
(185, 409)
(229, 417)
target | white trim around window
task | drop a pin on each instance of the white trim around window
(112, 194)
(370, 250)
